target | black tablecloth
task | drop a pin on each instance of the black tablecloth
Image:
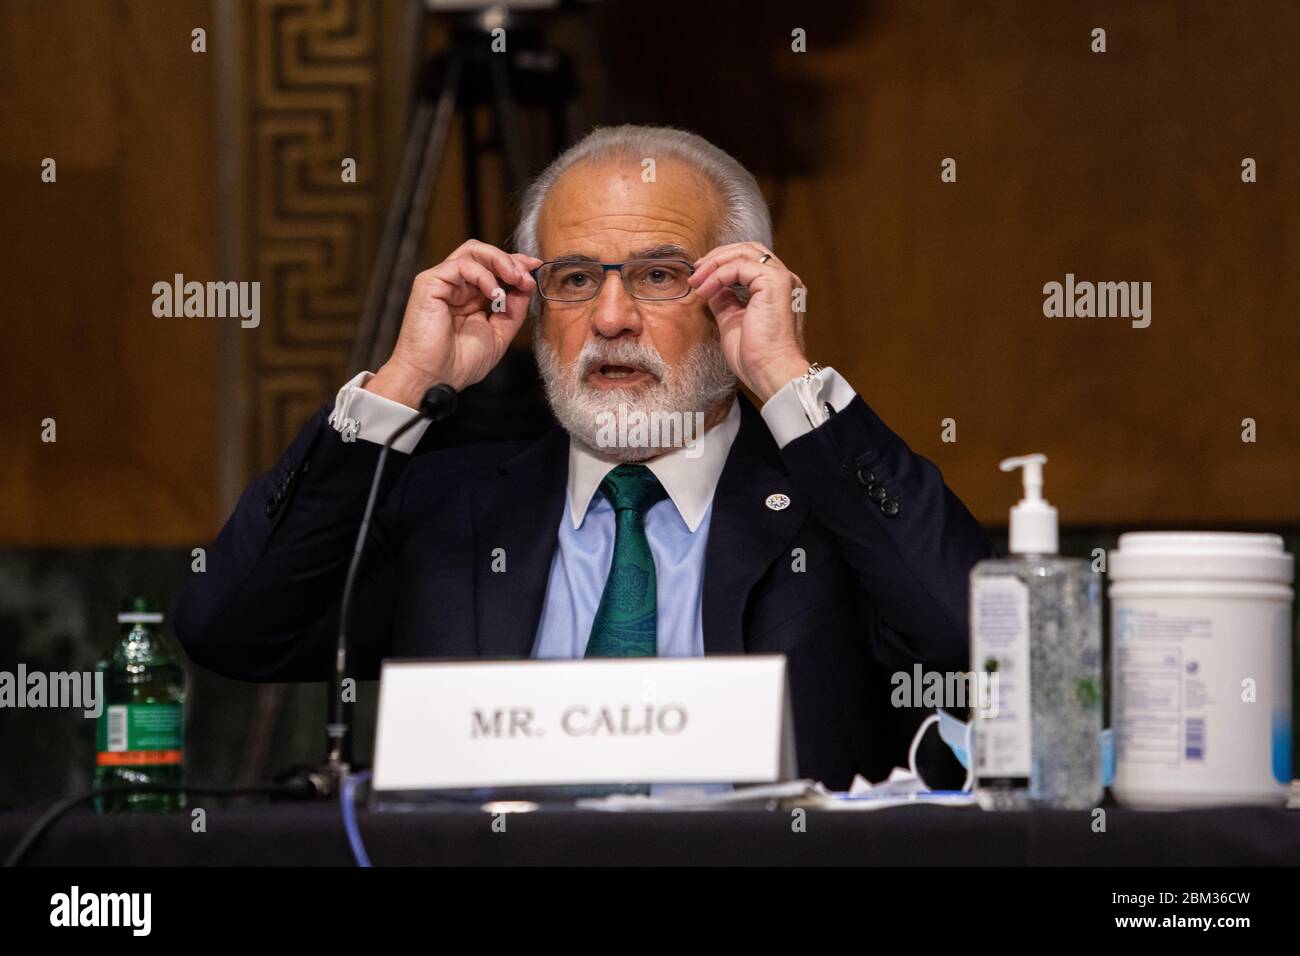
(313, 834)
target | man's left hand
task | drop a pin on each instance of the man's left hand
(762, 338)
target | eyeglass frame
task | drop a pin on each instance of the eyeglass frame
(605, 269)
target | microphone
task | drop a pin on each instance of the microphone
(438, 403)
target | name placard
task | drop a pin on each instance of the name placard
(470, 724)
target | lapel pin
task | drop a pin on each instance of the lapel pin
(778, 502)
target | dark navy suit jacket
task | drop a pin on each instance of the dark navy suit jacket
(887, 550)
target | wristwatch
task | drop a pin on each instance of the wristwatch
(808, 388)
(813, 369)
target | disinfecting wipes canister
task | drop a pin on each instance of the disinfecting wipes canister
(1201, 668)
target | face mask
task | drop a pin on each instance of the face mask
(956, 735)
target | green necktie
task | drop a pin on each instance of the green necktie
(625, 620)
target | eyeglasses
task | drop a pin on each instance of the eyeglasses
(653, 280)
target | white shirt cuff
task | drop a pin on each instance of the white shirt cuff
(372, 417)
(800, 405)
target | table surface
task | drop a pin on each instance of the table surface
(312, 834)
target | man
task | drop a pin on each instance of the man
(806, 528)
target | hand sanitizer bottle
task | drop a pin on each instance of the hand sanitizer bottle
(1035, 622)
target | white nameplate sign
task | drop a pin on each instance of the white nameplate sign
(470, 724)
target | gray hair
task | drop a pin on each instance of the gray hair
(745, 217)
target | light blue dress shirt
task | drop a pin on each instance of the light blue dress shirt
(677, 529)
(581, 564)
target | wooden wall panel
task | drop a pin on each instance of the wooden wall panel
(313, 96)
(1119, 166)
(1116, 166)
(112, 92)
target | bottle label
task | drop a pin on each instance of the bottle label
(136, 735)
(1001, 734)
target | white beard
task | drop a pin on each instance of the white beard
(698, 385)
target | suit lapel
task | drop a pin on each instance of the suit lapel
(745, 535)
(517, 510)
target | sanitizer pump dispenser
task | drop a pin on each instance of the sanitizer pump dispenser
(1035, 625)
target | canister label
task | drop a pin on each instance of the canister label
(1163, 694)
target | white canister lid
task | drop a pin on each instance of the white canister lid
(1230, 555)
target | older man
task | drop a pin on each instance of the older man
(806, 528)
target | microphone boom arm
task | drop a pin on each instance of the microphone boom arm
(438, 403)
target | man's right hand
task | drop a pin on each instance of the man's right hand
(450, 335)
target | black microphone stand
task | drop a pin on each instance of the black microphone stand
(324, 780)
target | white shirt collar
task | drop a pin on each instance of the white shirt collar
(689, 480)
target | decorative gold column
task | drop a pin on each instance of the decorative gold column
(316, 85)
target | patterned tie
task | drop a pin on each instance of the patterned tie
(625, 620)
